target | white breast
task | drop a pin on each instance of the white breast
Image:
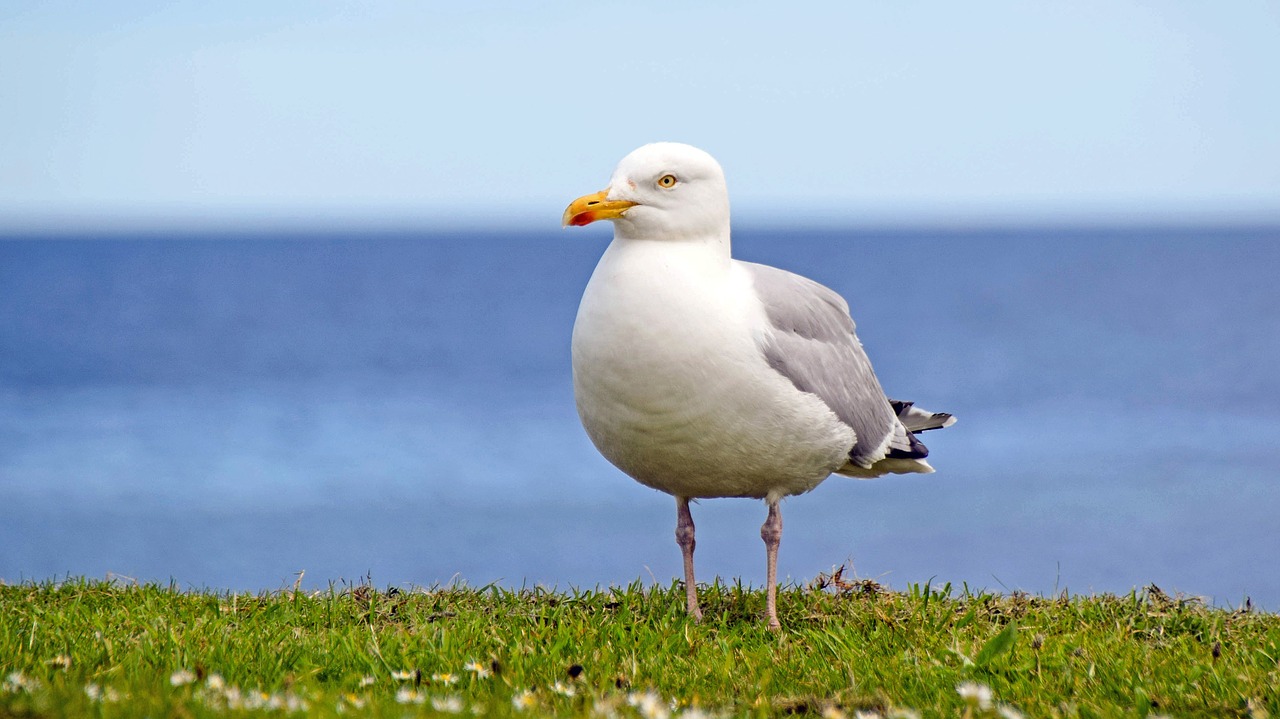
(673, 389)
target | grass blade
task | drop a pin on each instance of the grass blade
(997, 645)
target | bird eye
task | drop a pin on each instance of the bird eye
(667, 181)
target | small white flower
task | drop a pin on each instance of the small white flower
(696, 713)
(1008, 712)
(93, 691)
(562, 689)
(524, 700)
(974, 694)
(448, 705)
(446, 678)
(606, 708)
(62, 661)
(833, 712)
(405, 695)
(867, 714)
(215, 682)
(181, 677)
(19, 682)
(367, 682)
(233, 697)
(353, 700)
(650, 705)
(254, 700)
(403, 676)
(480, 670)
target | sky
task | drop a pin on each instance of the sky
(487, 114)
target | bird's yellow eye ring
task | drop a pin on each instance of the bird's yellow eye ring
(667, 181)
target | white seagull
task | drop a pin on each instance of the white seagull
(704, 376)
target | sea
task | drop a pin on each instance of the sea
(253, 409)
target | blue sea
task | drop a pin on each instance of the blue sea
(227, 410)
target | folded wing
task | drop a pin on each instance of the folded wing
(815, 346)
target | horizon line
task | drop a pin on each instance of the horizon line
(296, 220)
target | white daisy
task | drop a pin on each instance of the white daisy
(562, 689)
(405, 695)
(19, 682)
(524, 700)
(650, 705)
(975, 694)
(448, 705)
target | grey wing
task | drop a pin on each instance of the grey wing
(815, 346)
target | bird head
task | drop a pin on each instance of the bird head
(664, 190)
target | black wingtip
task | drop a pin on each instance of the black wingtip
(940, 420)
(916, 451)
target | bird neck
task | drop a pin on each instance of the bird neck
(708, 257)
(709, 245)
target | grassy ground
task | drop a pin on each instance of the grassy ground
(850, 649)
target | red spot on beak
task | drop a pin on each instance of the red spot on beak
(583, 218)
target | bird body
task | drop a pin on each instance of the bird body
(704, 376)
(672, 386)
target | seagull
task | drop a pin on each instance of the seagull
(703, 376)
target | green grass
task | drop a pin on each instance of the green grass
(100, 649)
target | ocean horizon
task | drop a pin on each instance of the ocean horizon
(226, 409)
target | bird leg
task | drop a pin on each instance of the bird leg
(684, 537)
(771, 533)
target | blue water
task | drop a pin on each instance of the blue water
(225, 411)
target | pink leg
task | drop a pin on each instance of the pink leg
(684, 537)
(771, 533)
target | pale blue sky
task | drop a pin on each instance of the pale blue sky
(500, 113)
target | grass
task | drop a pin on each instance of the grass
(84, 648)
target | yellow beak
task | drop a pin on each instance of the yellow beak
(589, 208)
